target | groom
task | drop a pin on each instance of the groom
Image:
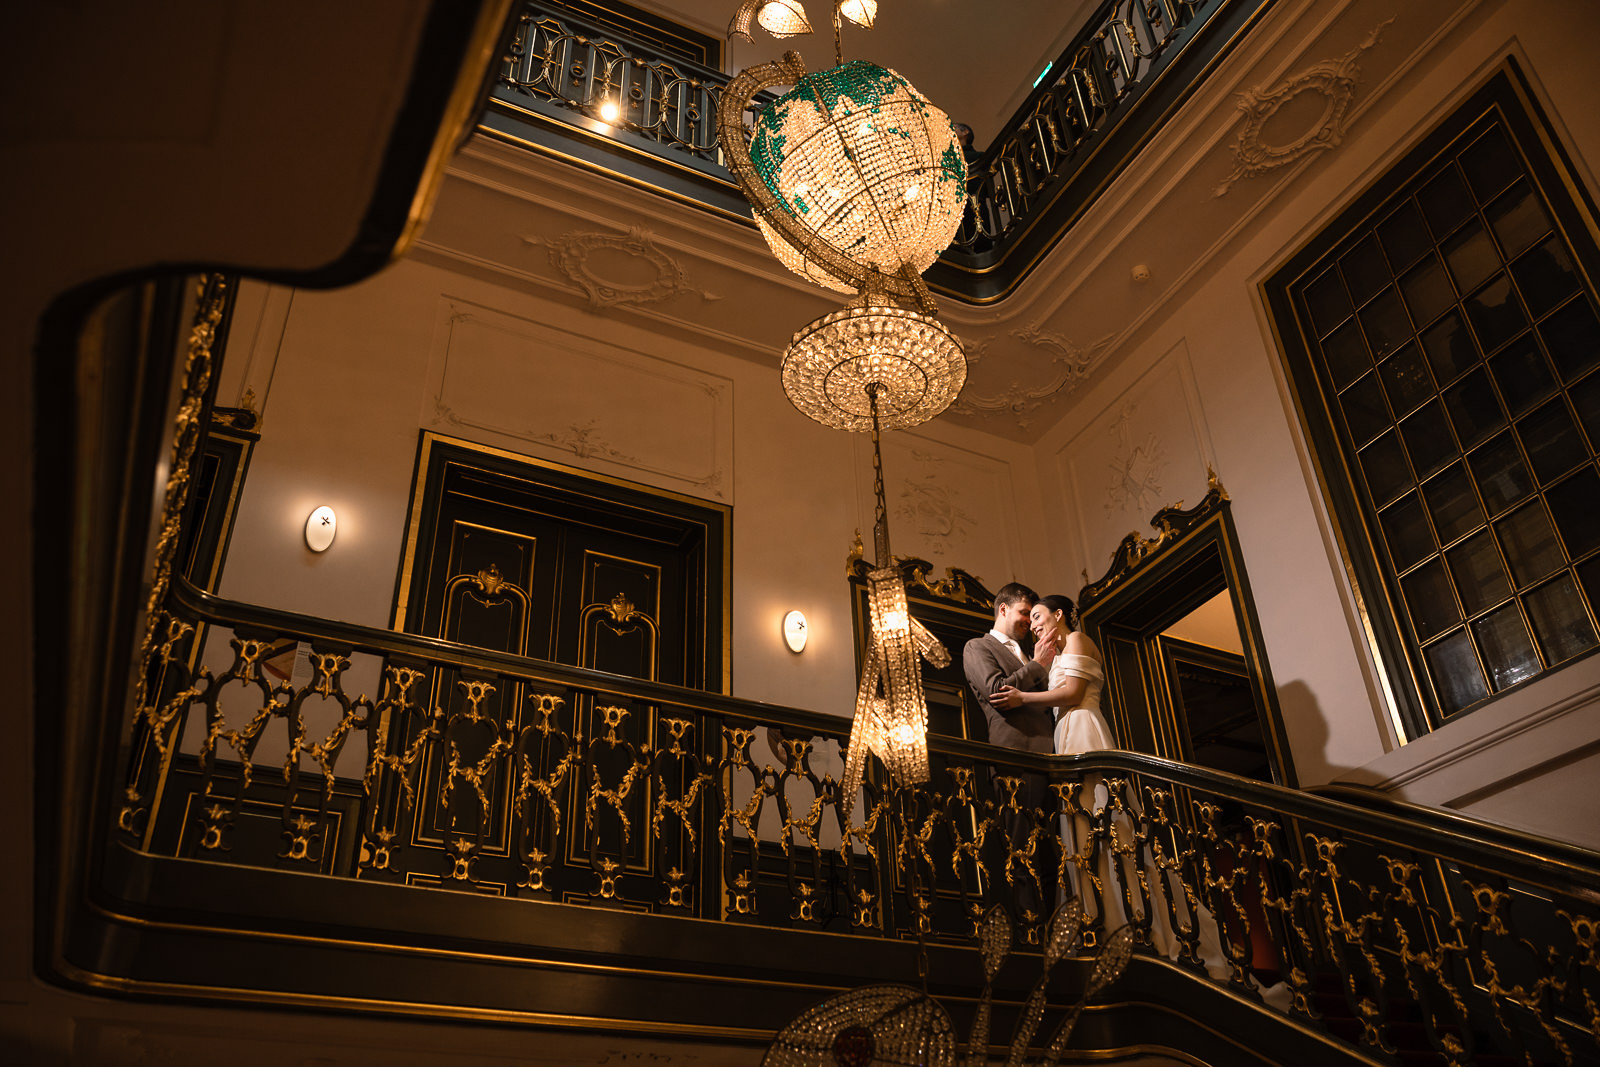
(995, 660)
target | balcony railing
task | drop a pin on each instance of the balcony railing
(1106, 93)
(487, 835)
(490, 774)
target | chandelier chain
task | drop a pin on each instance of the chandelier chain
(880, 527)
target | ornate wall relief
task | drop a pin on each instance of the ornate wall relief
(618, 269)
(931, 506)
(948, 505)
(523, 385)
(1334, 79)
(1147, 448)
(1069, 365)
(1136, 467)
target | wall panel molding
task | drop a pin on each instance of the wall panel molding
(651, 420)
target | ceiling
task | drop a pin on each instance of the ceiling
(974, 59)
(1142, 247)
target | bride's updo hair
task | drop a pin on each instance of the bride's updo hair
(1069, 611)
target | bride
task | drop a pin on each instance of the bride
(1077, 677)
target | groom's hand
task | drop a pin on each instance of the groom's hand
(1046, 650)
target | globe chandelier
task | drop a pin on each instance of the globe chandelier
(857, 183)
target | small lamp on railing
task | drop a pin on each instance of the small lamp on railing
(609, 110)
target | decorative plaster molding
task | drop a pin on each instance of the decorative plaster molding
(1136, 469)
(929, 504)
(570, 254)
(1072, 364)
(1333, 78)
(582, 441)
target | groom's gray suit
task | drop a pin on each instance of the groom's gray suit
(990, 665)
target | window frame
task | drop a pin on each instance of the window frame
(1399, 654)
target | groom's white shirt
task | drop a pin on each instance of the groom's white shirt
(1016, 649)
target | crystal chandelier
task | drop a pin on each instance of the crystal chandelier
(857, 183)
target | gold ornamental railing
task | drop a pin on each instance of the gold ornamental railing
(492, 774)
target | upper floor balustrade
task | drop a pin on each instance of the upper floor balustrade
(628, 105)
(556, 817)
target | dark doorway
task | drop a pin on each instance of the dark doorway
(532, 558)
(1177, 699)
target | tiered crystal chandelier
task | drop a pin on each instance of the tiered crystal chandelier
(857, 183)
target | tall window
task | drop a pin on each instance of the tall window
(1443, 339)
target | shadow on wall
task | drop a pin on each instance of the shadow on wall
(1307, 726)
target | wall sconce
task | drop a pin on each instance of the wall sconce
(794, 631)
(320, 528)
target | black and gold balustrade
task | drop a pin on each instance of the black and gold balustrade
(699, 816)
(625, 92)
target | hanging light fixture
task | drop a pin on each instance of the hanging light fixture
(781, 18)
(857, 183)
(860, 12)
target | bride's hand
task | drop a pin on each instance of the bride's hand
(1006, 697)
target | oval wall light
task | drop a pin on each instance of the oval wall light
(794, 631)
(320, 528)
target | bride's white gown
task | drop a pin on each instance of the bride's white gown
(1084, 729)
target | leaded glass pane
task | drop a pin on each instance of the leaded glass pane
(1453, 504)
(1560, 621)
(1385, 467)
(1573, 337)
(1496, 314)
(1428, 440)
(1589, 575)
(1490, 164)
(1479, 574)
(1364, 271)
(1450, 347)
(1346, 353)
(1522, 375)
(1575, 505)
(1586, 401)
(1445, 202)
(1456, 677)
(1508, 654)
(1327, 301)
(1405, 528)
(1474, 409)
(1433, 605)
(1472, 256)
(1427, 290)
(1385, 323)
(1501, 475)
(1404, 236)
(1552, 441)
(1545, 277)
(1529, 543)
(1518, 220)
(1405, 379)
(1364, 410)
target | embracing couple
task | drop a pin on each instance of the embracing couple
(1049, 702)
